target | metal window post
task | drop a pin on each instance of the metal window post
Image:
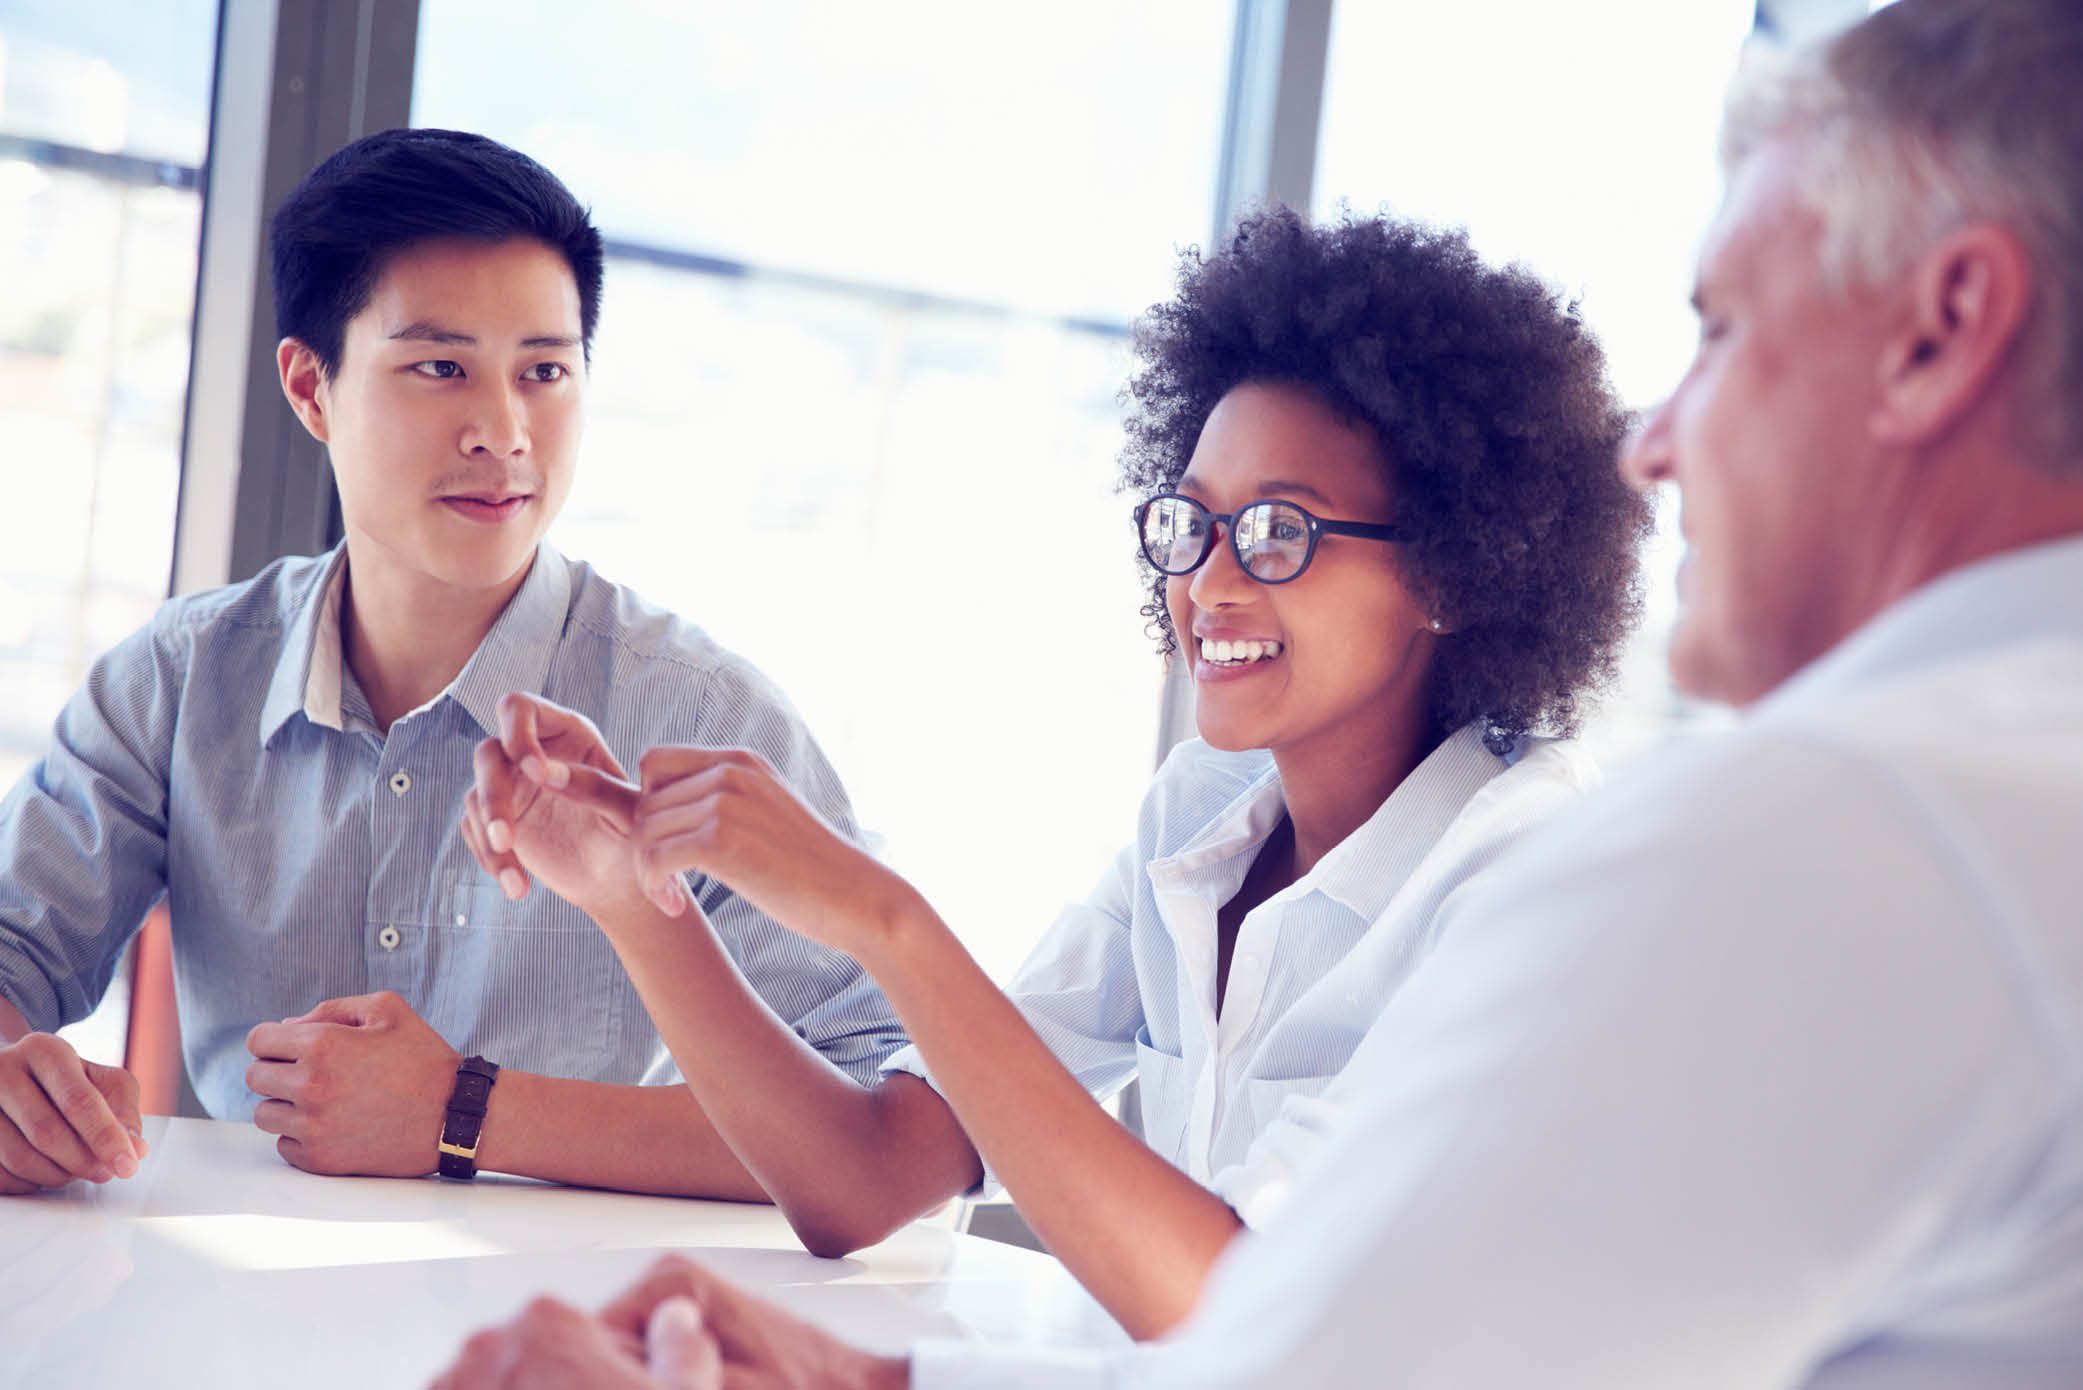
(296, 79)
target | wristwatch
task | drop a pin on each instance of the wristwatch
(466, 1117)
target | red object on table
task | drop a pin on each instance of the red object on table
(152, 1051)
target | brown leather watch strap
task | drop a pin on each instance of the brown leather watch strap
(466, 1117)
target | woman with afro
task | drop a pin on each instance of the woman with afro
(1378, 501)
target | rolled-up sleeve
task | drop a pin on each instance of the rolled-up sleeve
(83, 834)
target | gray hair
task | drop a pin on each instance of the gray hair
(1926, 116)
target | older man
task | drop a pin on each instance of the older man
(1767, 1069)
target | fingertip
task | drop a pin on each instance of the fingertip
(531, 768)
(679, 1349)
(556, 774)
(499, 835)
(514, 883)
(678, 1316)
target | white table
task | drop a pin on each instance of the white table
(220, 1265)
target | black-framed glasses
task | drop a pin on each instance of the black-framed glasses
(1273, 541)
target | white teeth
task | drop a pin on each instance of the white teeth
(1225, 653)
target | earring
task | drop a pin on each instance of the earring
(1438, 626)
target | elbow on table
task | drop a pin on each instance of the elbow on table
(836, 1220)
(903, 1155)
(832, 1231)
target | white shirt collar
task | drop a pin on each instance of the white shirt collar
(1979, 607)
(1365, 869)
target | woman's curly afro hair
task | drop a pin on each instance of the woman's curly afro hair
(1498, 430)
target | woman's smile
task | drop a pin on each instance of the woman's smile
(1228, 658)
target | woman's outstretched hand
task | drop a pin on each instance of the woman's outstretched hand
(727, 813)
(579, 849)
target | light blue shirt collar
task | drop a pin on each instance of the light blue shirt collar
(515, 654)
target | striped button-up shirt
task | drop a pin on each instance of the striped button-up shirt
(225, 759)
(1123, 985)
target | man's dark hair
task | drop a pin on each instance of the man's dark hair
(333, 235)
(1499, 434)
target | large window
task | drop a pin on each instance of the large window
(855, 396)
(1578, 140)
(103, 114)
(854, 401)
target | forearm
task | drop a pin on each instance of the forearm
(629, 1138)
(1137, 1232)
(846, 1163)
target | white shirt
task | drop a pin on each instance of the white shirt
(1764, 1070)
(1123, 985)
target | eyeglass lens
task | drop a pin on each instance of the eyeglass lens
(1272, 538)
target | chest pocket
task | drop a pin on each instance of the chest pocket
(532, 985)
(1167, 1094)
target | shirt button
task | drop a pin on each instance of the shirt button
(462, 920)
(389, 937)
(401, 782)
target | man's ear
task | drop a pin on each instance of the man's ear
(1968, 302)
(302, 379)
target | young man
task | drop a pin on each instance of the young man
(285, 760)
(1765, 1068)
